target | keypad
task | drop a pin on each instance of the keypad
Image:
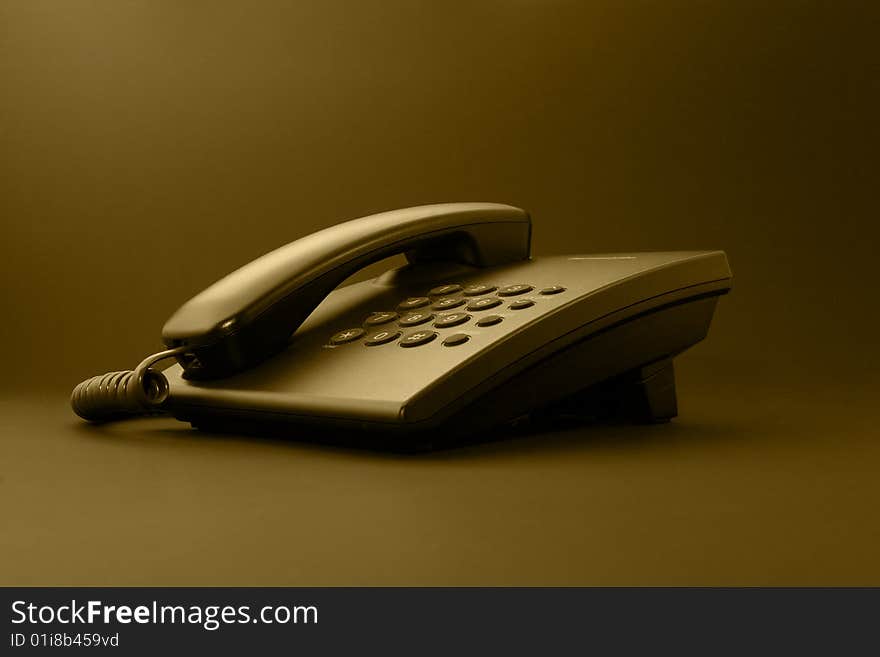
(451, 319)
(439, 291)
(417, 338)
(484, 304)
(490, 320)
(448, 303)
(442, 297)
(414, 319)
(456, 339)
(477, 289)
(413, 302)
(380, 318)
(513, 290)
(382, 337)
(348, 335)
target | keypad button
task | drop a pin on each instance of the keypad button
(417, 338)
(456, 339)
(521, 303)
(477, 289)
(452, 288)
(380, 318)
(489, 320)
(553, 289)
(413, 302)
(513, 290)
(347, 336)
(414, 319)
(484, 304)
(451, 319)
(382, 337)
(448, 303)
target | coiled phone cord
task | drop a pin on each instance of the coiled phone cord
(127, 393)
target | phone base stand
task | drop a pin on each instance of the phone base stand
(645, 394)
(650, 394)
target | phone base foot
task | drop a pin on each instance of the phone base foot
(645, 394)
(649, 394)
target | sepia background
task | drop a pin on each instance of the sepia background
(148, 148)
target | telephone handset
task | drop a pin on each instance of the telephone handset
(248, 315)
(472, 333)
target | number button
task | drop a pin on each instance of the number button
(413, 302)
(521, 304)
(489, 320)
(452, 319)
(513, 290)
(414, 319)
(444, 289)
(347, 336)
(380, 318)
(417, 338)
(382, 337)
(478, 288)
(456, 339)
(484, 304)
(448, 303)
(553, 289)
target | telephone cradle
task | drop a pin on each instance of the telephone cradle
(471, 336)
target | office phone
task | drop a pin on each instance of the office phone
(470, 335)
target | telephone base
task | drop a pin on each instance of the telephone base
(644, 395)
(625, 374)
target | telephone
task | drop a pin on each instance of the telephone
(470, 335)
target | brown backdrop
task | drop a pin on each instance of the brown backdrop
(147, 148)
